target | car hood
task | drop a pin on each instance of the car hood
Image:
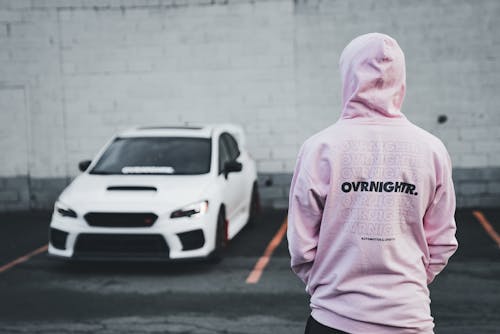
(134, 193)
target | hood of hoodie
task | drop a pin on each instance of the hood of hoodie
(373, 73)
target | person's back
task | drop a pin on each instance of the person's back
(372, 204)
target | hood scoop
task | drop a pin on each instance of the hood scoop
(131, 188)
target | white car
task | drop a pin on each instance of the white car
(158, 193)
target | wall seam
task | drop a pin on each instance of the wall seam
(63, 94)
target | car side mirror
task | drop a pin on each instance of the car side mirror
(83, 165)
(232, 166)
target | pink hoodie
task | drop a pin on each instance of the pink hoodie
(371, 211)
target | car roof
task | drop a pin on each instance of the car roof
(197, 131)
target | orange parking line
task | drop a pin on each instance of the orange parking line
(261, 264)
(487, 226)
(23, 258)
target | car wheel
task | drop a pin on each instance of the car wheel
(254, 209)
(220, 239)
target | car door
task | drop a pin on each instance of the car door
(229, 186)
(237, 179)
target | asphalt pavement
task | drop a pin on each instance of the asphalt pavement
(42, 295)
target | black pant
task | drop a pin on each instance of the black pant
(314, 327)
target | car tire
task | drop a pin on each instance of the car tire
(220, 239)
(254, 209)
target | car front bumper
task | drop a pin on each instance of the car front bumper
(166, 239)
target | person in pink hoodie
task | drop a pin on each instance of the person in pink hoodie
(371, 206)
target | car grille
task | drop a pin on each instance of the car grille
(120, 219)
(131, 245)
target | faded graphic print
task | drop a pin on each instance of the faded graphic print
(376, 177)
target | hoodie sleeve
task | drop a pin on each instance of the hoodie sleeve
(306, 203)
(439, 222)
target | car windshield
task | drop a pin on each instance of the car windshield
(155, 155)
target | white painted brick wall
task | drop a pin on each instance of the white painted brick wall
(29, 39)
(174, 65)
(453, 66)
(93, 67)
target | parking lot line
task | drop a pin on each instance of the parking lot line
(261, 264)
(487, 226)
(23, 258)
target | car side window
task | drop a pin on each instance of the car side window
(224, 155)
(232, 145)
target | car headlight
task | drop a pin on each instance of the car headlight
(64, 211)
(191, 210)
